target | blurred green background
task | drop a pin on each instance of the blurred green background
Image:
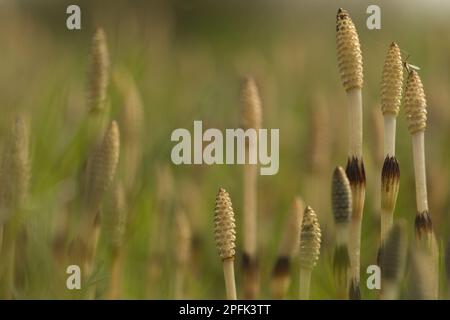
(187, 59)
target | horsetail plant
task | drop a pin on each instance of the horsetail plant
(183, 239)
(391, 95)
(351, 72)
(225, 236)
(289, 246)
(14, 177)
(392, 261)
(100, 171)
(416, 115)
(131, 124)
(341, 202)
(115, 222)
(310, 240)
(251, 115)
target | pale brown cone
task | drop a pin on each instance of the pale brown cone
(348, 52)
(392, 81)
(415, 103)
(310, 239)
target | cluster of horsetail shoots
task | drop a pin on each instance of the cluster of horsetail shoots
(393, 260)
(391, 95)
(251, 114)
(351, 72)
(310, 240)
(225, 237)
(289, 247)
(341, 202)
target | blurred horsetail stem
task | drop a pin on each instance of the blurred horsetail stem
(98, 72)
(391, 95)
(115, 223)
(251, 117)
(392, 261)
(351, 71)
(310, 240)
(289, 246)
(183, 239)
(225, 236)
(341, 202)
(14, 177)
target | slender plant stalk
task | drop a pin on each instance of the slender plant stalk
(289, 246)
(100, 172)
(114, 286)
(351, 71)
(225, 236)
(304, 283)
(447, 267)
(310, 240)
(341, 201)
(183, 239)
(230, 285)
(391, 94)
(131, 125)
(14, 177)
(114, 226)
(392, 261)
(251, 118)
(416, 115)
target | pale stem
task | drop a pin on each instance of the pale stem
(304, 282)
(354, 247)
(419, 171)
(386, 222)
(114, 281)
(250, 200)
(230, 285)
(390, 122)
(355, 122)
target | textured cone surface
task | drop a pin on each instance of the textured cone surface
(348, 52)
(415, 103)
(98, 72)
(251, 105)
(341, 196)
(224, 225)
(102, 167)
(393, 253)
(392, 81)
(310, 239)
